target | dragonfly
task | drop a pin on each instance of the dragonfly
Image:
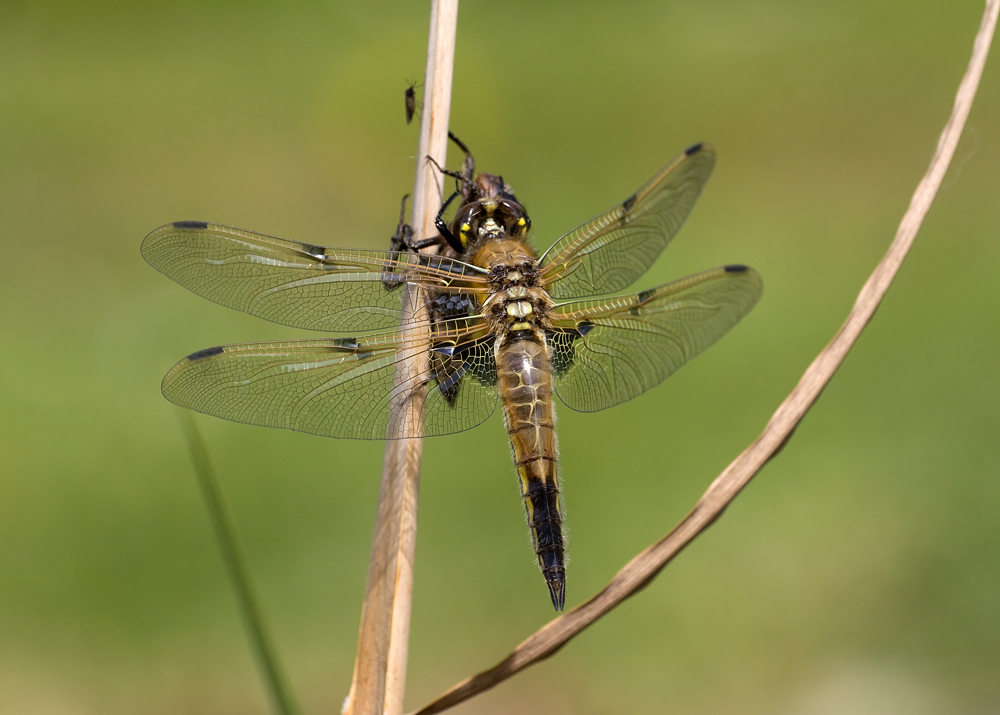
(486, 320)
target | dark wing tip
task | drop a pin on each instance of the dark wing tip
(694, 149)
(207, 352)
(736, 268)
(557, 590)
(200, 225)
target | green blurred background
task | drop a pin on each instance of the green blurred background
(860, 573)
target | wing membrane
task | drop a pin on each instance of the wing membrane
(609, 252)
(345, 387)
(605, 352)
(298, 284)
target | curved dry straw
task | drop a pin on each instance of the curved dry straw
(642, 569)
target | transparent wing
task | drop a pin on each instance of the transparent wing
(346, 387)
(605, 352)
(298, 284)
(608, 253)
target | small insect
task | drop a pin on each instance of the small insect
(501, 324)
(410, 98)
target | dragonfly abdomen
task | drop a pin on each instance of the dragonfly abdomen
(525, 383)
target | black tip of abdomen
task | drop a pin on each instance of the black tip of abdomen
(541, 494)
(557, 590)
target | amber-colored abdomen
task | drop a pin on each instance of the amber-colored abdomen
(525, 382)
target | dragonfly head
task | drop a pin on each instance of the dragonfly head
(489, 219)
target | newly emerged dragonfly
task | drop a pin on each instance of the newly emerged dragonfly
(499, 322)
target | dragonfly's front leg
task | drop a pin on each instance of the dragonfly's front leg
(403, 238)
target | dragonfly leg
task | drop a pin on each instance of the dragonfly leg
(403, 238)
(468, 172)
(457, 175)
(442, 226)
(404, 232)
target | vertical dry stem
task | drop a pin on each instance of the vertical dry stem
(380, 666)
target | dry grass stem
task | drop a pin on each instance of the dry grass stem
(380, 666)
(642, 569)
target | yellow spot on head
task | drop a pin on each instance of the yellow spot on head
(521, 221)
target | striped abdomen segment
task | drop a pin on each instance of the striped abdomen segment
(525, 382)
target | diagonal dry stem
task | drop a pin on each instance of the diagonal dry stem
(642, 569)
(380, 666)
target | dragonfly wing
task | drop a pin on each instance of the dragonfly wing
(345, 387)
(298, 284)
(610, 350)
(608, 253)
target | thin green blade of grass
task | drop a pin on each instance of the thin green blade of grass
(232, 555)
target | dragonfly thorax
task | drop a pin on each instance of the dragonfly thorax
(518, 300)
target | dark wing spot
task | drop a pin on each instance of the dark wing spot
(693, 149)
(207, 352)
(736, 268)
(201, 225)
(362, 355)
(642, 298)
(314, 251)
(628, 203)
(584, 327)
(344, 343)
(446, 350)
